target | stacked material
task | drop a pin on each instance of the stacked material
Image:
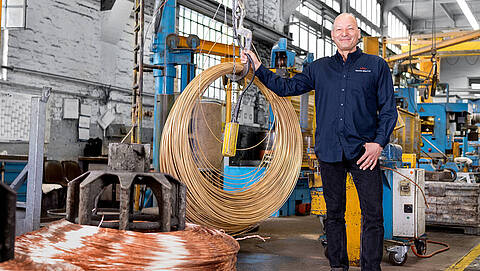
(453, 204)
(66, 246)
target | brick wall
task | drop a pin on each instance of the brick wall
(67, 38)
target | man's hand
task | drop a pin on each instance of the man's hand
(370, 158)
(244, 59)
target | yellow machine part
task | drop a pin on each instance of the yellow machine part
(229, 147)
(353, 218)
(318, 206)
(456, 149)
(410, 158)
(409, 133)
(353, 215)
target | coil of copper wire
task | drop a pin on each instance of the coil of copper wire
(66, 246)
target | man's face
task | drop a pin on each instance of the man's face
(345, 32)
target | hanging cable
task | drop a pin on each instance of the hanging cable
(410, 39)
(433, 87)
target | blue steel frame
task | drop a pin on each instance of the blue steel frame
(164, 80)
(439, 111)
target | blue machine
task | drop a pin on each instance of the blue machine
(168, 54)
(442, 116)
(11, 170)
(281, 57)
(406, 99)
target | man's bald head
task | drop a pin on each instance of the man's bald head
(345, 33)
(346, 17)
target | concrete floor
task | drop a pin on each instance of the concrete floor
(293, 245)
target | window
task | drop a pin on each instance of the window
(13, 13)
(192, 22)
(396, 29)
(308, 37)
(227, 3)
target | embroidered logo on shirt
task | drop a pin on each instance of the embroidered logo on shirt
(363, 69)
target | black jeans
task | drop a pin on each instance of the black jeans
(369, 187)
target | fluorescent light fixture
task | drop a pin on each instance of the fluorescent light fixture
(475, 86)
(468, 13)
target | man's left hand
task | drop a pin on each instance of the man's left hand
(370, 158)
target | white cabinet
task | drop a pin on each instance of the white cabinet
(408, 203)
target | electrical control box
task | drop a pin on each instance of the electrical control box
(408, 202)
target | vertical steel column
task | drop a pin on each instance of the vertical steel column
(164, 80)
(35, 161)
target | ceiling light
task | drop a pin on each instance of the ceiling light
(468, 13)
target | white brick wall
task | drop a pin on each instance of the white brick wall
(266, 12)
(65, 38)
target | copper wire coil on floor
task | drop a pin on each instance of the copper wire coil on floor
(210, 200)
(66, 246)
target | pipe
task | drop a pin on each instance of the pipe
(71, 79)
(65, 92)
(443, 44)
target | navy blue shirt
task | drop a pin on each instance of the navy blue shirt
(354, 101)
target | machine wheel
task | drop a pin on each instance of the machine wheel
(421, 246)
(172, 41)
(193, 41)
(396, 259)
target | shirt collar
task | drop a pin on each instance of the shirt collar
(351, 56)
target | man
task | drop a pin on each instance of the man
(356, 114)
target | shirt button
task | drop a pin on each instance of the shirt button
(344, 76)
(341, 119)
(341, 104)
(343, 89)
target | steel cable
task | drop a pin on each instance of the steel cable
(210, 200)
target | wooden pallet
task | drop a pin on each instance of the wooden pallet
(467, 229)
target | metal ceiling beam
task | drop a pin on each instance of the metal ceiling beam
(429, 36)
(443, 44)
(315, 25)
(409, 2)
(449, 15)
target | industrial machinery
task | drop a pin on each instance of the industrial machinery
(169, 51)
(403, 205)
(128, 166)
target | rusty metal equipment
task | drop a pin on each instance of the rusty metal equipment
(84, 193)
(126, 170)
(8, 201)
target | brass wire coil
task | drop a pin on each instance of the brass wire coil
(208, 203)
